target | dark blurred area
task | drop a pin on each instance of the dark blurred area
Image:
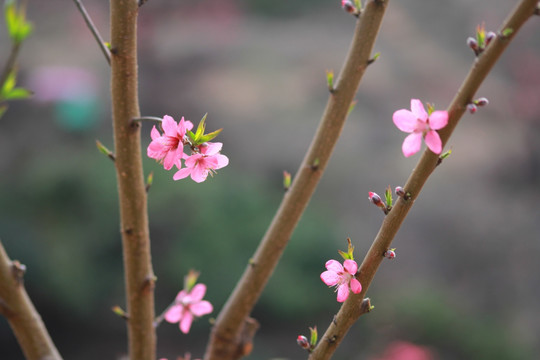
(464, 282)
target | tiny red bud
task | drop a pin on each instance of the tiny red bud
(481, 101)
(390, 254)
(303, 342)
(472, 108)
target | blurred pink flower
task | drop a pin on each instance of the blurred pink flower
(420, 125)
(188, 306)
(169, 146)
(59, 83)
(342, 276)
(403, 350)
(200, 164)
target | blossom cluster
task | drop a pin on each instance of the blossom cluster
(168, 148)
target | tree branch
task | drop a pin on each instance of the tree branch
(104, 49)
(21, 314)
(351, 309)
(139, 276)
(226, 339)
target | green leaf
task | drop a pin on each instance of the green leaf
(17, 94)
(8, 85)
(200, 129)
(388, 196)
(507, 32)
(313, 336)
(209, 136)
(17, 26)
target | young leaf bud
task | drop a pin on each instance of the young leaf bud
(303, 342)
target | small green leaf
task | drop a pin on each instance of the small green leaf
(16, 24)
(286, 180)
(17, 94)
(8, 85)
(200, 129)
(358, 4)
(507, 32)
(209, 136)
(330, 79)
(351, 107)
(388, 196)
(314, 336)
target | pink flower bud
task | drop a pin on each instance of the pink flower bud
(390, 254)
(399, 191)
(490, 36)
(375, 199)
(303, 342)
(472, 43)
(472, 108)
(481, 101)
(348, 6)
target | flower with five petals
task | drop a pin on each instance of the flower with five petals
(342, 277)
(187, 306)
(169, 146)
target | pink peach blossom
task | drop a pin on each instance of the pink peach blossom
(420, 125)
(187, 306)
(169, 146)
(200, 164)
(342, 277)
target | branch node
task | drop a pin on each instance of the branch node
(149, 284)
(17, 271)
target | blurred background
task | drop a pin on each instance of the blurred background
(465, 281)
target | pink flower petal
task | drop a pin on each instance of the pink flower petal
(199, 173)
(356, 287)
(342, 292)
(433, 141)
(201, 308)
(211, 148)
(169, 125)
(174, 314)
(438, 120)
(182, 173)
(351, 266)
(330, 278)
(418, 110)
(222, 161)
(169, 160)
(185, 323)
(182, 294)
(154, 134)
(333, 265)
(411, 144)
(405, 120)
(197, 293)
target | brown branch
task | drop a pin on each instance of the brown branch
(131, 185)
(21, 314)
(350, 310)
(226, 335)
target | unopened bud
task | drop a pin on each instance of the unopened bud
(348, 6)
(390, 254)
(399, 191)
(472, 108)
(481, 101)
(490, 36)
(303, 342)
(375, 199)
(473, 44)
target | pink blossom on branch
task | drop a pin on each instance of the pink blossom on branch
(187, 306)
(169, 146)
(342, 277)
(201, 163)
(420, 125)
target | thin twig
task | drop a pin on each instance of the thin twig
(226, 334)
(351, 309)
(104, 49)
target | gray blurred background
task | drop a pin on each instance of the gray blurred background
(465, 281)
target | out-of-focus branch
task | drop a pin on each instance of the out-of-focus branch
(226, 341)
(139, 276)
(104, 49)
(21, 314)
(351, 310)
